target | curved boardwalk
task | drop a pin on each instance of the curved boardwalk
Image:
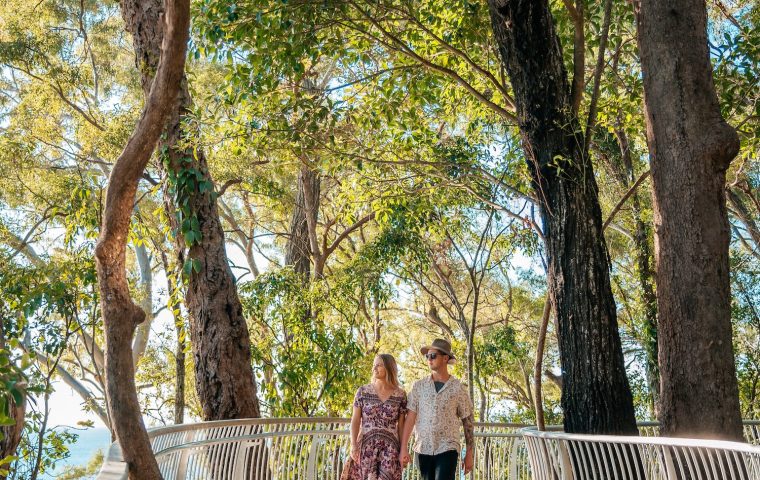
(316, 448)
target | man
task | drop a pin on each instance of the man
(436, 405)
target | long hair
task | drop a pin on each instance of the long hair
(391, 369)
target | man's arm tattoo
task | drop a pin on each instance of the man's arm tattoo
(469, 431)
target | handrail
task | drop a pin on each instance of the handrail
(261, 436)
(243, 438)
(567, 456)
(500, 448)
(667, 441)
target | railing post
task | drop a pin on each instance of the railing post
(670, 468)
(184, 456)
(513, 457)
(565, 464)
(311, 465)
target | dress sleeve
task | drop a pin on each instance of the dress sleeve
(358, 398)
(403, 408)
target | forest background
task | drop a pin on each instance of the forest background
(369, 177)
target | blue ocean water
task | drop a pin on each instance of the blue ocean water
(89, 442)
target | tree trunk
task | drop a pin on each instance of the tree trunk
(11, 434)
(691, 147)
(179, 363)
(218, 331)
(596, 397)
(120, 314)
(539, 365)
(146, 303)
(179, 358)
(470, 330)
(627, 177)
(649, 299)
(298, 249)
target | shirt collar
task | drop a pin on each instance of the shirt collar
(451, 381)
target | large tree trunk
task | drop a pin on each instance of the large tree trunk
(596, 397)
(691, 147)
(120, 314)
(218, 331)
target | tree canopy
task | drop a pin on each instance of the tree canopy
(383, 136)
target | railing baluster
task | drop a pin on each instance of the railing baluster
(314, 449)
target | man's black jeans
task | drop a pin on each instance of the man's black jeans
(438, 467)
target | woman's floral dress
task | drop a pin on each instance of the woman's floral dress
(378, 439)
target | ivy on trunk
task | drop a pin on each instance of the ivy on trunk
(218, 332)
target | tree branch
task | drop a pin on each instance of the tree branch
(120, 314)
(406, 50)
(77, 386)
(579, 53)
(622, 201)
(592, 111)
(347, 232)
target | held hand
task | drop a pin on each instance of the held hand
(405, 459)
(468, 463)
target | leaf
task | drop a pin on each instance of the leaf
(187, 268)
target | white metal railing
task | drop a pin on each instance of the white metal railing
(315, 449)
(752, 431)
(562, 456)
(294, 449)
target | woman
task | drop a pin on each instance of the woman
(377, 423)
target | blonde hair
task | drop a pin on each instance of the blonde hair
(391, 369)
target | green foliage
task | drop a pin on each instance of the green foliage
(401, 109)
(745, 312)
(40, 309)
(303, 354)
(84, 471)
(54, 448)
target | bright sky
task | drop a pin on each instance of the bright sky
(66, 407)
